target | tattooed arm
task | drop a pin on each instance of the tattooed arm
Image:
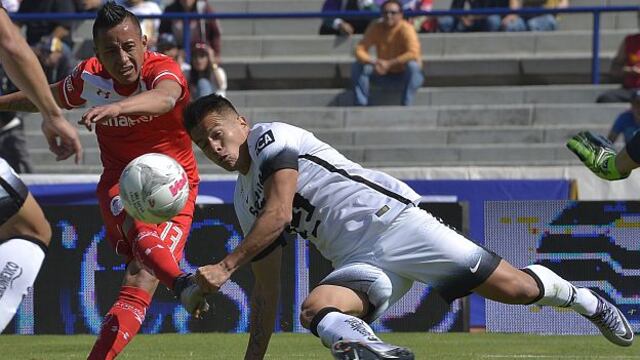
(264, 303)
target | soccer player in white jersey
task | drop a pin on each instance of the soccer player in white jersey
(368, 225)
(25, 233)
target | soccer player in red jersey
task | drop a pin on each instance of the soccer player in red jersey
(136, 98)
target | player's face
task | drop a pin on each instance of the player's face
(121, 51)
(200, 62)
(223, 139)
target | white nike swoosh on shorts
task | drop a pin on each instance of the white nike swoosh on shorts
(475, 268)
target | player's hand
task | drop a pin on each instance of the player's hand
(210, 278)
(597, 153)
(345, 28)
(62, 138)
(99, 113)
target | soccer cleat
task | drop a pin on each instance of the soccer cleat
(596, 153)
(355, 350)
(190, 295)
(611, 322)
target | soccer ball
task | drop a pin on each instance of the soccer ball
(153, 188)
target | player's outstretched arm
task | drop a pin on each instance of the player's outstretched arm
(157, 101)
(597, 154)
(264, 303)
(280, 189)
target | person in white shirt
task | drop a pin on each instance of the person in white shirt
(149, 26)
(368, 225)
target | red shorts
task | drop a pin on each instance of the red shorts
(174, 233)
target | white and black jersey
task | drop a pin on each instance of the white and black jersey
(336, 202)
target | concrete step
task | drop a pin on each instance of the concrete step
(423, 116)
(460, 154)
(432, 45)
(455, 135)
(489, 70)
(426, 96)
(442, 116)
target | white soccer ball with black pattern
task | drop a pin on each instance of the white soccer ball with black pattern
(154, 188)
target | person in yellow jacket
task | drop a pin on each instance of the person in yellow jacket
(398, 58)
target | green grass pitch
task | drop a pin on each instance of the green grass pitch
(305, 346)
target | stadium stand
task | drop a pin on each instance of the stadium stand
(490, 98)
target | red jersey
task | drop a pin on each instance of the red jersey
(632, 58)
(123, 138)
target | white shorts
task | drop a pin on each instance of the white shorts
(418, 247)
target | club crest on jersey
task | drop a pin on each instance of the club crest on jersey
(264, 140)
(116, 205)
(104, 94)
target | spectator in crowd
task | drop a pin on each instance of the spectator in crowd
(540, 22)
(346, 26)
(52, 28)
(626, 67)
(55, 62)
(202, 31)
(422, 24)
(628, 122)
(472, 22)
(398, 56)
(168, 45)
(150, 27)
(205, 76)
(13, 144)
(88, 5)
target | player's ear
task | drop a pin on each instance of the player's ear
(243, 121)
(145, 40)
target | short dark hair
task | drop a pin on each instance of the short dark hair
(387, 2)
(111, 15)
(199, 109)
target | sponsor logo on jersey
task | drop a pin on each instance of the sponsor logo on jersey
(116, 205)
(8, 275)
(264, 140)
(105, 94)
(68, 85)
(128, 121)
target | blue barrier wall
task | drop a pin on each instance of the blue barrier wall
(474, 192)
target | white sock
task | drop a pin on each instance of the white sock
(561, 293)
(20, 261)
(337, 326)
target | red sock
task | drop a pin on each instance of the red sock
(155, 255)
(121, 323)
